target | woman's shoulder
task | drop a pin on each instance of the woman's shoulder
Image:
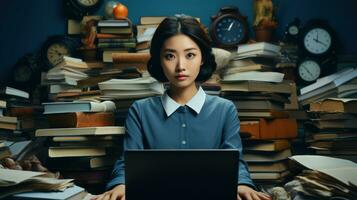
(147, 102)
(218, 101)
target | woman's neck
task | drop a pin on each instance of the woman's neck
(182, 95)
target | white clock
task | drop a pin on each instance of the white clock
(317, 38)
(317, 41)
(309, 70)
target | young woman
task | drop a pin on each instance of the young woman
(184, 117)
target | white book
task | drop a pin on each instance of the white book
(91, 131)
(2, 104)
(274, 77)
(325, 80)
(244, 48)
(14, 92)
(330, 85)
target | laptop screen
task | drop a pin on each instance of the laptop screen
(181, 174)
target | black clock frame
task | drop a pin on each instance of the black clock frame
(228, 12)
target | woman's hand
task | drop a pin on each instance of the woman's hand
(117, 193)
(247, 193)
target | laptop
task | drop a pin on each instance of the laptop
(181, 174)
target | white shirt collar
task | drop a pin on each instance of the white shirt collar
(196, 103)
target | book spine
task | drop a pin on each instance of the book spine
(81, 120)
(103, 40)
(131, 57)
(117, 44)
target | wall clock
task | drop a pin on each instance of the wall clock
(292, 31)
(55, 47)
(228, 28)
(76, 9)
(309, 69)
(317, 38)
(27, 71)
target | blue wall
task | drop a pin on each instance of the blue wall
(25, 25)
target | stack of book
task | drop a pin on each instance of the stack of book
(323, 178)
(334, 131)
(63, 79)
(262, 98)
(256, 57)
(145, 31)
(125, 91)
(9, 121)
(342, 84)
(83, 142)
(267, 160)
(114, 36)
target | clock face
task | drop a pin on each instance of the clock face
(293, 30)
(309, 70)
(87, 2)
(317, 41)
(55, 52)
(230, 31)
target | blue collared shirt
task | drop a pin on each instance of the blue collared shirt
(205, 122)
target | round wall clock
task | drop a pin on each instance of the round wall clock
(317, 38)
(292, 31)
(228, 28)
(309, 69)
(76, 9)
(55, 47)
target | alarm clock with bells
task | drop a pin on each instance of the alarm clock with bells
(292, 31)
(55, 47)
(76, 9)
(317, 38)
(228, 28)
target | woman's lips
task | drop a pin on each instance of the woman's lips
(181, 77)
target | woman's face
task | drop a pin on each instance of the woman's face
(181, 59)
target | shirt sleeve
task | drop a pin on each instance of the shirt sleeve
(132, 140)
(232, 140)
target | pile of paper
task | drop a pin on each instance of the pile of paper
(18, 181)
(325, 177)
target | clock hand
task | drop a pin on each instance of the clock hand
(230, 26)
(318, 41)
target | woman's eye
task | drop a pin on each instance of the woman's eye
(169, 56)
(190, 55)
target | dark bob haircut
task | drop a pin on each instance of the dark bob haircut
(190, 27)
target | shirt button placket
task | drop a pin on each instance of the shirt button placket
(184, 128)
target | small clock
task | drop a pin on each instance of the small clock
(309, 69)
(228, 28)
(76, 9)
(317, 38)
(55, 47)
(292, 31)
